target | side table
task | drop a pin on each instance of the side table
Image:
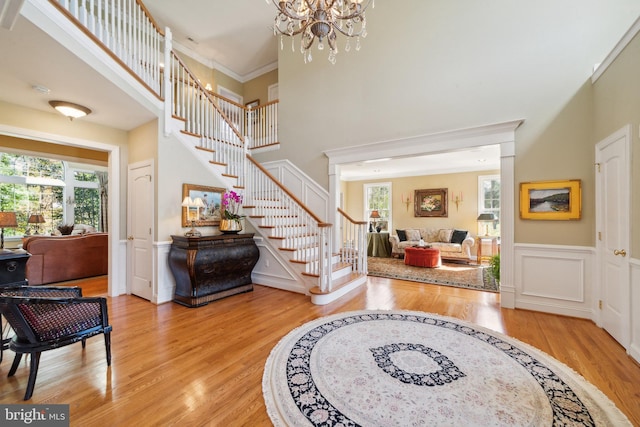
(378, 245)
(208, 268)
(13, 265)
(494, 243)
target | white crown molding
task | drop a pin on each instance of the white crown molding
(423, 144)
(618, 48)
(214, 65)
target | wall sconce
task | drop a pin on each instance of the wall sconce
(7, 220)
(69, 109)
(457, 199)
(36, 219)
(406, 201)
(189, 203)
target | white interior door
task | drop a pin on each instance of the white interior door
(612, 218)
(140, 230)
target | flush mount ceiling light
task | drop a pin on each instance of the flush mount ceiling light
(321, 19)
(69, 109)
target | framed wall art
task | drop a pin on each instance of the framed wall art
(209, 213)
(551, 200)
(431, 202)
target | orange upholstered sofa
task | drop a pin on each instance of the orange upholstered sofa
(58, 259)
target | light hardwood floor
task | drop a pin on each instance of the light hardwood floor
(174, 365)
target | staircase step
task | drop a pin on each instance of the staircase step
(338, 284)
(208, 150)
(186, 132)
(335, 267)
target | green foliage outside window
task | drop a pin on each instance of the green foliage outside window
(46, 195)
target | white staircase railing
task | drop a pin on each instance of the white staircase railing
(205, 119)
(124, 29)
(354, 242)
(282, 217)
(262, 125)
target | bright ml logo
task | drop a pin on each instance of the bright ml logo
(34, 415)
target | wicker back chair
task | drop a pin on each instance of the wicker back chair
(44, 318)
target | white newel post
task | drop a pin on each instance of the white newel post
(168, 92)
(334, 203)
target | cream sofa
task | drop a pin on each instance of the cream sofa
(453, 244)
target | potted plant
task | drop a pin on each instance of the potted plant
(230, 221)
(494, 267)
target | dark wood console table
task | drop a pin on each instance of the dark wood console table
(208, 268)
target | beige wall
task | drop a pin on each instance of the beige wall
(143, 142)
(617, 103)
(455, 65)
(258, 88)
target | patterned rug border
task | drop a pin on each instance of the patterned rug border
(426, 275)
(314, 331)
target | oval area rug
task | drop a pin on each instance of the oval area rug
(405, 368)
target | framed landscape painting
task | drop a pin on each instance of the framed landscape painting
(551, 200)
(209, 214)
(431, 202)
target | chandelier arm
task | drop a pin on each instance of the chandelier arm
(290, 13)
(303, 26)
(346, 33)
(356, 13)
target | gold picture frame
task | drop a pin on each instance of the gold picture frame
(551, 200)
(208, 215)
(431, 203)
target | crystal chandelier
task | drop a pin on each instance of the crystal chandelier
(321, 19)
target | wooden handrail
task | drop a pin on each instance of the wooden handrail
(208, 95)
(289, 193)
(150, 18)
(104, 47)
(353, 221)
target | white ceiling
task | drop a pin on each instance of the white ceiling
(477, 159)
(235, 35)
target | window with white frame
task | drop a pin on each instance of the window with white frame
(52, 188)
(489, 202)
(377, 206)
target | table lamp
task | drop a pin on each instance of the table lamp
(36, 219)
(189, 203)
(486, 218)
(7, 220)
(374, 215)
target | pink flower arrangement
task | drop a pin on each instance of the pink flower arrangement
(231, 202)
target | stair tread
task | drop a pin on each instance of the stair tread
(334, 267)
(337, 283)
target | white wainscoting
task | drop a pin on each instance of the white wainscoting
(273, 271)
(164, 280)
(555, 279)
(302, 186)
(634, 346)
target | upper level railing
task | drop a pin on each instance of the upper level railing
(126, 31)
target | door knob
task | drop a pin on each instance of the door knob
(131, 238)
(620, 252)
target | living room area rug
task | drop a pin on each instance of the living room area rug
(469, 276)
(408, 368)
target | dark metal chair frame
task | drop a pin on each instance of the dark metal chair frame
(48, 317)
